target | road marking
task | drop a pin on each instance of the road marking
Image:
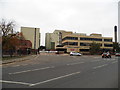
(36, 57)
(114, 62)
(95, 60)
(15, 65)
(100, 66)
(54, 79)
(31, 70)
(96, 57)
(14, 82)
(75, 63)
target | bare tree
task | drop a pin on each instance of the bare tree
(6, 27)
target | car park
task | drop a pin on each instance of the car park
(117, 54)
(75, 54)
(106, 55)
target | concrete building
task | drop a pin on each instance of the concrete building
(55, 38)
(32, 34)
(81, 42)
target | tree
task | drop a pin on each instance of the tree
(116, 47)
(9, 44)
(6, 27)
(94, 48)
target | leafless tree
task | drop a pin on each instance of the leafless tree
(6, 27)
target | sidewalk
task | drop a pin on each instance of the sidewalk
(18, 59)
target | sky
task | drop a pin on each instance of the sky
(80, 16)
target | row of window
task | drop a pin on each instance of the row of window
(84, 44)
(87, 39)
(70, 38)
(87, 44)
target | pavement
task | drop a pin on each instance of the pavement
(62, 71)
(30, 57)
(18, 59)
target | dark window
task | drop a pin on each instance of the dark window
(90, 39)
(84, 50)
(108, 40)
(84, 44)
(87, 44)
(71, 43)
(70, 38)
(108, 45)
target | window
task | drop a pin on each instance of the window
(84, 50)
(87, 44)
(84, 44)
(108, 45)
(90, 39)
(71, 43)
(108, 40)
(70, 38)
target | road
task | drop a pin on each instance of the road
(56, 71)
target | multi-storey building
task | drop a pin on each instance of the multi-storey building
(32, 34)
(77, 42)
(81, 43)
(55, 38)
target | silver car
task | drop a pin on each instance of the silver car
(75, 54)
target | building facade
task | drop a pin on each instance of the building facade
(55, 38)
(32, 34)
(81, 43)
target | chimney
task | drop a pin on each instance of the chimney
(115, 31)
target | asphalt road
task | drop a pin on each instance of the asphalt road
(55, 71)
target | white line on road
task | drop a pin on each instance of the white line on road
(32, 70)
(96, 57)
(114, 62)
(95, 60)
(100, 66)
(75, 63)
(14, 82)
(54, 79)
(15, 65)
(36, 57)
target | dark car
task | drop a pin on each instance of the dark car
(106, 55)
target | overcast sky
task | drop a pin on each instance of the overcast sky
(80, 16)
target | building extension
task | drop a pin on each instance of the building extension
(32, 34)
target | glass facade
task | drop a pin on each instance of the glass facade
(71, 43)
(90, 39)
(108, 40)
(70, 38)
(108, 45)
(87, 44)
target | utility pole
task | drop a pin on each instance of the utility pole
(115, 31)
(35, 39)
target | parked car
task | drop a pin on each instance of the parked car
(106, 55)
(75, 54)
(117, 54)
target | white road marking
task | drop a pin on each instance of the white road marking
(96, 57)
(75, 63)
(95, 60)
(54, 79)
(15, 65)
(14, 82)
(100, 66)
(36, 57)
(114, 62)
(31, 70)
